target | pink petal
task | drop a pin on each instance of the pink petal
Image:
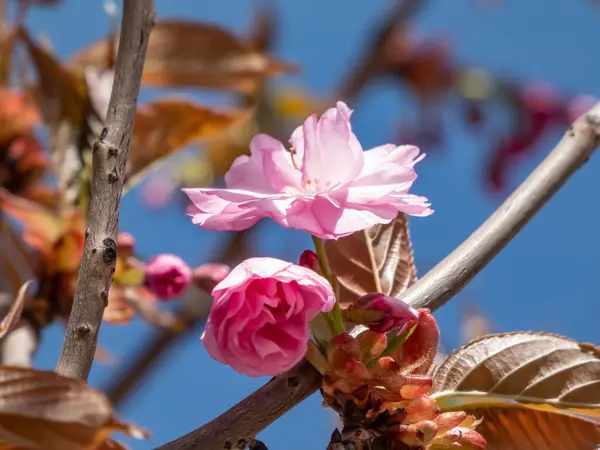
(412, 204)
(344, 219)
(297, 141)
(208, 339)
(301, 217)
(231, 209)
(246, 173)
(259, 267)
(387, 169)
(332, 154)
(384, 182)
(277, 165)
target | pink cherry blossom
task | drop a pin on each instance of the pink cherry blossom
(381, 313)
(167, 276)
(258, 323)
(325, 184)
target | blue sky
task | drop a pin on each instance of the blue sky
(543, 280)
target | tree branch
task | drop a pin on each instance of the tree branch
(108, 166)
(250, 416)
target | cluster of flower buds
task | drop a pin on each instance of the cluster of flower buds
(388, 386)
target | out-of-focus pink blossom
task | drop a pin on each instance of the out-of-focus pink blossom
(167, 276)
(381, 313)
(258, 323)
(542, 108)
(207, 276)
(579, 105)
(125, 241)
(325, 184)
(157, 191)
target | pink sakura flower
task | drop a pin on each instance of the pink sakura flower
(259, 320)
(325, 184)
(167, 276)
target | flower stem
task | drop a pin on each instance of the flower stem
(323, 261)
(335, 318)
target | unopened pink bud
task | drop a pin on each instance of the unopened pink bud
(125, 242)
(381, 313)
(309, 259)
(207, 276)
(167, 276)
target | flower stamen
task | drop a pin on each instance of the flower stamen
(292, 153)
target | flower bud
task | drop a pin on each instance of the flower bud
(381, 313)
(207, 276)
(309, 259)
(460, 437)
(447, 421)
(125, 242)
(167, 276)
(420, 408)
(418, 434)
(419, 351)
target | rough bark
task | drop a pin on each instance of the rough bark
(108, 170)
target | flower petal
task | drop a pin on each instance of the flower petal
(246, 172)
(332, 154)
(384, 182)
(231, 209)
(343, 219)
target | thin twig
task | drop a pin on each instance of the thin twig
(194, 311)
(108, 167)
(250, 416)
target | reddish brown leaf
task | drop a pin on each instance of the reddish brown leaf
(62, 93)
(17, 262)
(165, 126)
(41, 227)
(264, 27)
(42, 410)
(533, 390)
(18, 114)
(193, 54)
(14, 314)
(379, 259)
(521, 429)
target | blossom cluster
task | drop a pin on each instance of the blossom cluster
(269, 314)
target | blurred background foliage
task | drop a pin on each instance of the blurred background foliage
(483, 87)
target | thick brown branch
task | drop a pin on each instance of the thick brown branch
(259, 410)
(108, 166)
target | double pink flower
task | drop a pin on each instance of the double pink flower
(259, 320)
(325, 184)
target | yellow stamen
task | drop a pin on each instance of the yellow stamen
(292, 153)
